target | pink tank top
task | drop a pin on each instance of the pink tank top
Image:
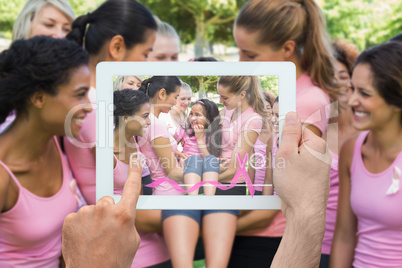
(379, 215)
(30, 232)
(120, 173)
(332, 206)
(260, 153)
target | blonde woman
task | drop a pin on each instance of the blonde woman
(44, 17)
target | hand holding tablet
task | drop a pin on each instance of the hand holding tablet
(104, 235)
(97, 236)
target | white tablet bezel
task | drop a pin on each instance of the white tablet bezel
(105, 71)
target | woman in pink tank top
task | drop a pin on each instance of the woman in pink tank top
(288, 30)
(35, 179)
(131, 119)
(339, 130)
(368, 230)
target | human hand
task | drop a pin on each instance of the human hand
(199, 132)
(104, 235)
(303, 183)
(223, 164)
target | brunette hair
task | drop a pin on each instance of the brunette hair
(302, 21)
(127, 18)
(252, 86)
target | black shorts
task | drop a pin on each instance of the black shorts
(253, 251)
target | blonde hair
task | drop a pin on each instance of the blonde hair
(165, 29)
(118, 84)
(301, 21)
(22, 25)
(252, 86)
(186, 86)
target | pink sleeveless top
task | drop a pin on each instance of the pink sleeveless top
(30, 232)
(379, 215)
(260, 153)
(332, 206)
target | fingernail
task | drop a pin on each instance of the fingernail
(291, 118)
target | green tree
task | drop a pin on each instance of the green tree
(198, 20)
(363, 22)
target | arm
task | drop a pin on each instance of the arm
(306, 168)
(149, 221)
(344, 241)
(314, 129)
(244, 145)
(167, 158)
(254, 220)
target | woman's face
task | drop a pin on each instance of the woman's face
(170, 100)
(228, 99)
(69, 107)
(342, 75)
(184, 99)
(165, 49)
(131, 82)
(141, 51)
(370, 111)
(138, 123)
(50, 21)
(268, 108)
(197, 117)
(250, 50)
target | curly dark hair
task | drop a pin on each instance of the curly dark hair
(346, 53)
(214, 131)
(127, 102)
(39, 64)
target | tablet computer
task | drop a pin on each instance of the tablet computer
(284, 73)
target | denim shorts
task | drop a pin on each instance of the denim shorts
(196, 214)
(194, 164)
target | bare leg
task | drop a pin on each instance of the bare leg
(181, 234)
(209, 189)
(218, 232)
(192, 178)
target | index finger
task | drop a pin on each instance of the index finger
(132, 188)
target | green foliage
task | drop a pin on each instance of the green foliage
(364, 22)
(269, 83)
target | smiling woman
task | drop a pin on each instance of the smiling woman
(35, 179)
(44, 17)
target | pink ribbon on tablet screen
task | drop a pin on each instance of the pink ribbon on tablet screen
(241, 170)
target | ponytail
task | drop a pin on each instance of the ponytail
(317, 57)
(127, 18)
(79, 29)
(152, 85)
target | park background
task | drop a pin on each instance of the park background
(205, 27)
